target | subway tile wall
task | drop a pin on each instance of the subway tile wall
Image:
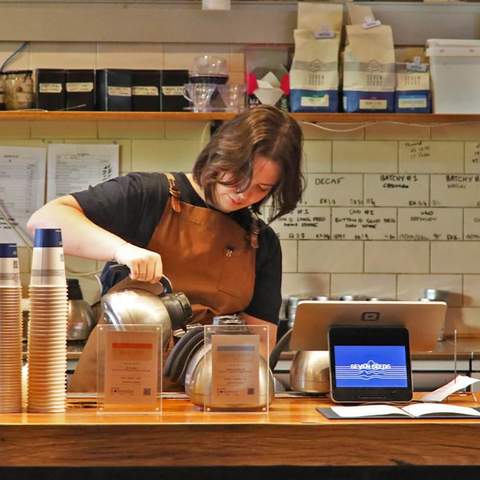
(388, 211)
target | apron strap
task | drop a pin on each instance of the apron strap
(174, 193)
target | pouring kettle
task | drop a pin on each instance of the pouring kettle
(131, 302)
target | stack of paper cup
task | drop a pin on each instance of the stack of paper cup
(10, 331)
(47, 336)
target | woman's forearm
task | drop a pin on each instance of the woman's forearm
(81, 237)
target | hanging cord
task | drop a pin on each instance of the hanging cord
(386, 122)
(12, 56)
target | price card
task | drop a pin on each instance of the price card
(235, 370)
(131, 367)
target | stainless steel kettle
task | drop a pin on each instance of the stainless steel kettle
(140, 303)
(132, 303)
(190, 363)
(310, 369)
(81, 319)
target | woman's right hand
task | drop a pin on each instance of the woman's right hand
(144, 264)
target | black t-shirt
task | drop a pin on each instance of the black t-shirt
(131, 206)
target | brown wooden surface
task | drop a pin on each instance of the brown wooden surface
(420, 118)
(293, 433)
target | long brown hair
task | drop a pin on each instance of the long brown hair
(262, 130)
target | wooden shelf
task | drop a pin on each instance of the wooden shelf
(419, 118)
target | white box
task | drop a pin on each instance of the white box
(455, 70)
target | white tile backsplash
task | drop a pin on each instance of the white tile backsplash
(412, 287)
(471, 223)
(329, 256)
(317, 156)
(364, 156)
(455, 257)
(455, 190)
(430, 224)
(379, 286)
(472, 157)
(304, 223)
(333, 189)
(310, 284)
(430, 157)
(396, 190)
(289, 255)
(395, 257)
(364, 223)
(389, 210)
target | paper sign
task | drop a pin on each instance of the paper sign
(235, 370)
(458, 383)
(72, 168)
(131, 367)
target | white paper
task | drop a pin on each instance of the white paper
(271, 80)
(415, 410)
(458, 383)
(131, 367)
(367, 411)
(22, 189)
(235, 370)
(72, 168)
(419, 409)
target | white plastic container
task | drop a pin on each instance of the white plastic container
(455, 70)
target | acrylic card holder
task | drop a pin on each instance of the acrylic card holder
(232, 374)
(129, 369)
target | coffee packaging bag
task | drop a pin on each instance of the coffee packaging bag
(369, 64)
(314, 78)
(413, 93)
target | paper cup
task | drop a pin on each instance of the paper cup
(9, 267)
(48, 263)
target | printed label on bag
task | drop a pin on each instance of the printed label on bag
(315, 101)
(412, 102)
(120, 91)
(50, 88)
(369, 104)
(145, 91)
(79, 87)
(174, 90)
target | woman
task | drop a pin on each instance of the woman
(201, 229)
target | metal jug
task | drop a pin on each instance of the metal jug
(132, 303)
(190, 363)
(81, 319)
(140, 303)
(310, 369)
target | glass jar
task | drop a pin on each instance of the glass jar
(18, 90)
(2, 91)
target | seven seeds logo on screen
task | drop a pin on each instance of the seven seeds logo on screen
(370, 366)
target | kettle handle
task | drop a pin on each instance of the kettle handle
(164, 280)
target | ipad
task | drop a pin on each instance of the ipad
(369, 364)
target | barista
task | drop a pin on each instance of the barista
(200, 229)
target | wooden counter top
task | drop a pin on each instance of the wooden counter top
(292, 433)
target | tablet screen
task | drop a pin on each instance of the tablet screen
(369, 364)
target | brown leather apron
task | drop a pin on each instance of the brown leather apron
(206, 255)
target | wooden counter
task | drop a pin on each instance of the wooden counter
(293, 433)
